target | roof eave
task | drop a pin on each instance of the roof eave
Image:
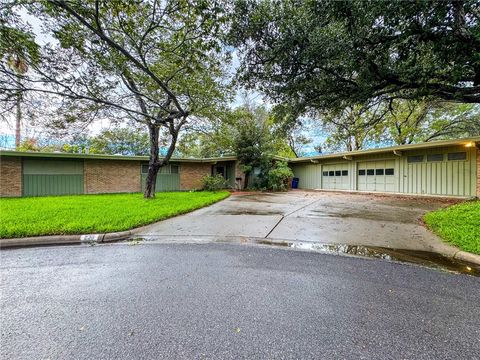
(107, 157)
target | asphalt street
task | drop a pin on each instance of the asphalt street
(223, 301)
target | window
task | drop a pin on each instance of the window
(144, 169)
(415, 158)
(389, 172)
(457, 156)
(361, 172)
(325, 173)
(435, 157)
(370, 172)
(173, 169)
(379, 172)
(344, 172)
(338, 173)
(331, 173)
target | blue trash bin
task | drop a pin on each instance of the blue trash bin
(295, 183)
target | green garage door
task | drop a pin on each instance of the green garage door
(43, 177)
(377, 176)
(336, 177)
(168, 178)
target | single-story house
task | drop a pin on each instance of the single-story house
(442, 168)
(39, 174)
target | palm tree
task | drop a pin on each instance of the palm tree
(19, 65)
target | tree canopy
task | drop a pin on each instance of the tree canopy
(159, 63)
(400, 122)
(332, 54)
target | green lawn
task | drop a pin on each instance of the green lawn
(458, 224)
(84, 214)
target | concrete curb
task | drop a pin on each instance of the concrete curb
(468, 257)
(459, 255)
(122, 235)
(64, 239)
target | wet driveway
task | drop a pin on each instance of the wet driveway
(311, 217)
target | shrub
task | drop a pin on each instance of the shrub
(213, 183)
(278, 176)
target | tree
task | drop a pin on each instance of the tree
(18, 65)
(353, 127)
(248, 131)
(318, 55)
(399, 122)
(122, 141)
(252, 141)
(405, 120)
(15, 47)
(158, 63)
(291, 127)
(220, 136)
(409, 122)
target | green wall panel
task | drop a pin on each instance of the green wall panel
(447, 177)
(310, 175)
(44, 185)
(165, 182)
(52, 167)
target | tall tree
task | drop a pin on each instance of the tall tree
(223, 135)
(17, 64)
(16, 47)
(159, 63)
(399, 122)
(409, 122)
(353, 127)
(292, 128)
(332, 54)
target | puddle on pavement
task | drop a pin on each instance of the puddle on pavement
(424, 258)
(260, 198)
(364, 215)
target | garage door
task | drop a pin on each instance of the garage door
(377, 176)
(336, 177)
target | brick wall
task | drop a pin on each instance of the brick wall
(111, 176)
(191, 175)
(478, 170)
(10, 176)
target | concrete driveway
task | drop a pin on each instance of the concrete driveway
(311, 217)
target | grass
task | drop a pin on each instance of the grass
(458, 224)
(86, 214)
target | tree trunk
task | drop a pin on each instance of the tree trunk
(153, 163)
(18, 123)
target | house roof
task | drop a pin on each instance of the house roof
(108, 157)
(432, 144)
(425, 145)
